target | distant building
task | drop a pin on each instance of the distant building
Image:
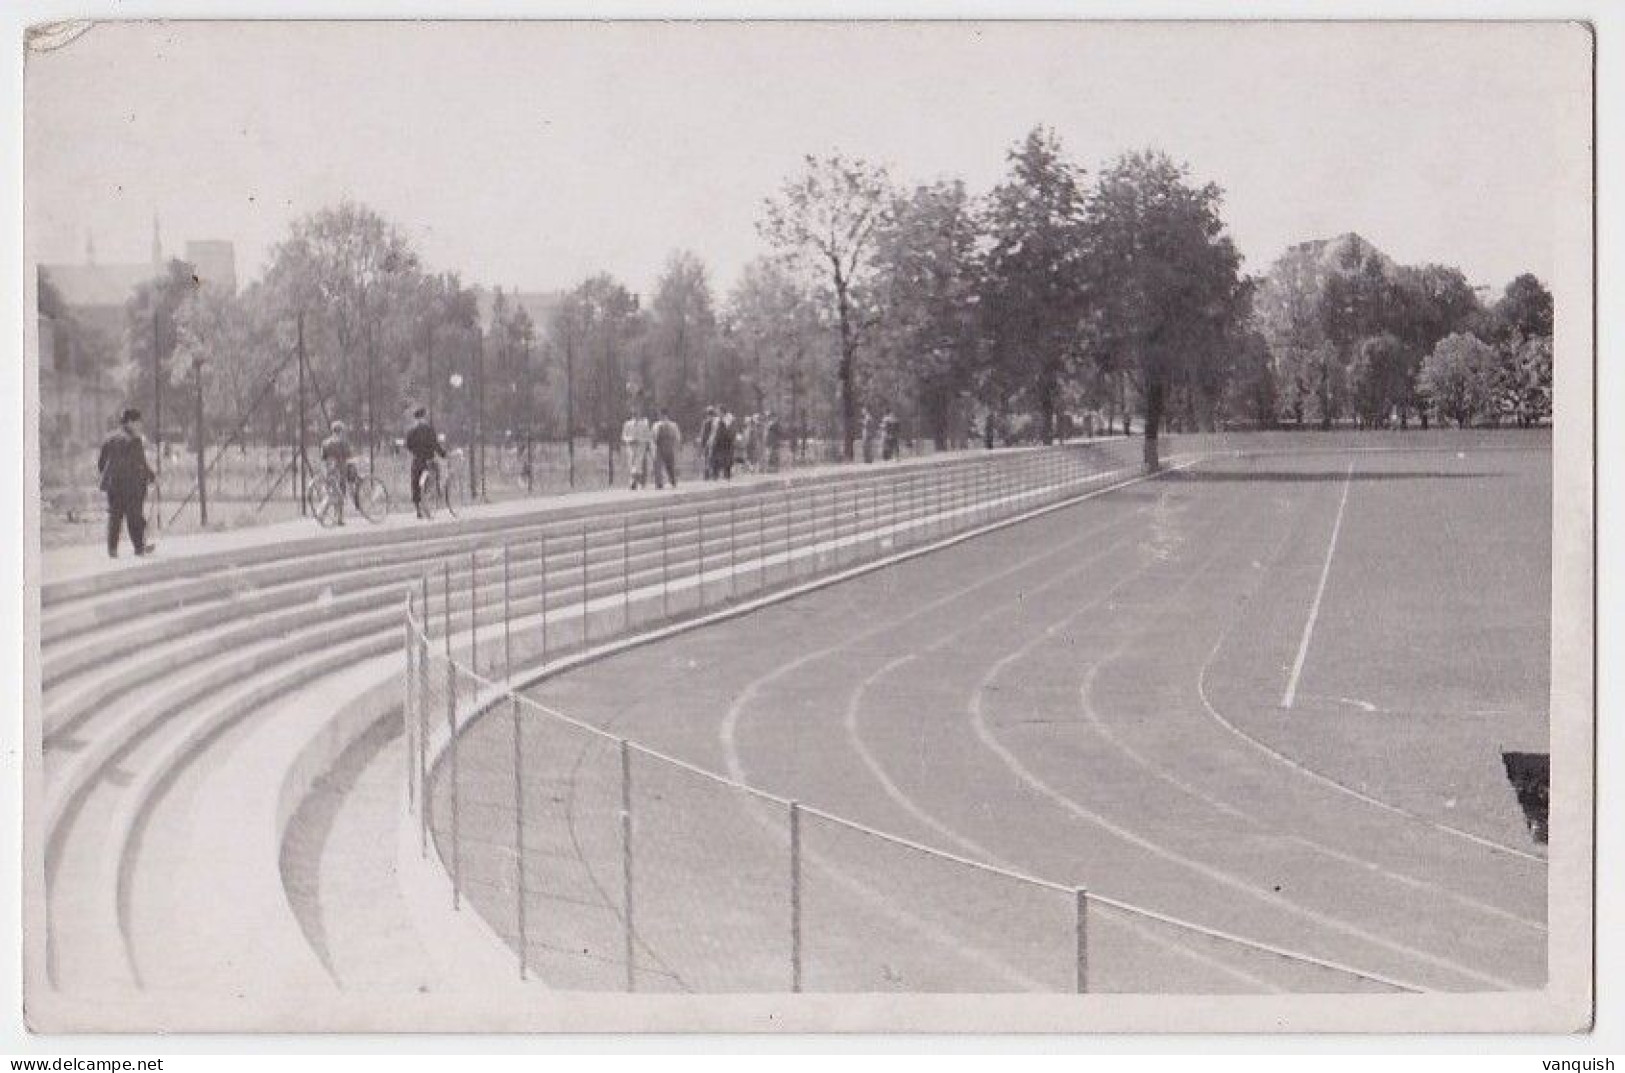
(78, 398)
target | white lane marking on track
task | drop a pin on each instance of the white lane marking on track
(979, 725)
(1326, 780)
(1320, 591)
(1323, 779)
(728, 728)
(1161, 772)
(1313, 845)
(975, 849)
(1219, 876)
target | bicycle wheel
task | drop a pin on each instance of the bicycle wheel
(428, 492)
(373, 499)
(321, 497)
(450, 493)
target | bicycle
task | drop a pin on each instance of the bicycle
(326, 494)
(439, 487)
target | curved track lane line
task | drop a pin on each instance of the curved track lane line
(1226, 879)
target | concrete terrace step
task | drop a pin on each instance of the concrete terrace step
(85, 571)
(274, 666)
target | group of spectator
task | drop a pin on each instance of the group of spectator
(887, 432)
(651, 446)
(754, 443)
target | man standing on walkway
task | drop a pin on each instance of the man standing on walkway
(125, 475)
(668, 437)
(637, 437)
(722, 447)
(708, 431)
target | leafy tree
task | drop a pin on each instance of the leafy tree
(1251, 392)
(778, 338)
(225, 338)
(517, 384)
(1166, 293)
(1381, 376)
(682, 333)
(1524, 309)
(1524, 379)
(1459, 378)
(346, 270)
(594, 330)
(1035, 278)
(930, 294)
(150, 316)
(824, 221)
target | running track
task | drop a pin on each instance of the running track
(1095, 697)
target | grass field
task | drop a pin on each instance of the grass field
(1266, 695)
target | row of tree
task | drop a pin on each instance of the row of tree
(1347, 334)
(1049, 297)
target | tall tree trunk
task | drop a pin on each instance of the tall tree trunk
(1153, 422)
(849, 353)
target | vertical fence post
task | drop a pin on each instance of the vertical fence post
(626, 864)
(584, 608)
(699, 528)
(519, 831)
(408, 701)
(795, 896)
(761, 543)
(789, 533)
(473, 611)
(423, 733)
(507, 613)
(733, 549)
(874, 515)
(1081, 926)
(544, 596)
(626, 572)
(665, 583)
(451, 746)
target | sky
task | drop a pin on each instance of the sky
(531, 155)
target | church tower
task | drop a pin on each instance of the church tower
(157, 244)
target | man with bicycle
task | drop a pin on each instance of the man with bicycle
(340, 462)
(424, 443)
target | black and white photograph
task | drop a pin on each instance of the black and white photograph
(808, 526)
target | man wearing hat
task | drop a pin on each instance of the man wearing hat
(125, 475)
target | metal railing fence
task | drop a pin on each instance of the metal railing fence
(605, 863)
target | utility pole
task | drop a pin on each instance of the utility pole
(202, 471)
(300, 461)
(476, 449)
(434, 388)
(479, 403)
(372, 425)
(570, 399)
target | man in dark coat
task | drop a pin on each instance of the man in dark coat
(125, 475)
(722, 448)
(424, 443)
(667, 438)
(708, 430)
